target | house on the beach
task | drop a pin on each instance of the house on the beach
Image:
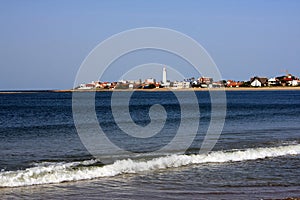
(287, 80)
(181, 84)
(274, 82)
(86, 86)
(296, 83)
(258, 81)
(231, 83)
(205, 82)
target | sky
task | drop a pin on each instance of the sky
(43, 43)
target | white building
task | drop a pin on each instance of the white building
(295, 82)
(130, 86)
(273, 82)
(87, 86)
(256, 83)
(150, 81)
(181, 84)
(164, 79)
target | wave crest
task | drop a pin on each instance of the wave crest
(46, 173)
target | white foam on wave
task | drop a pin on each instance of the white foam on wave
(74, 171)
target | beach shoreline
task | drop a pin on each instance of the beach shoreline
(159, 90)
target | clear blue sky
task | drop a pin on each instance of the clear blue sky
(43, 43)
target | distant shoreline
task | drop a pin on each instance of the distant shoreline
(157, 90)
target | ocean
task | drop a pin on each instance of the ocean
(257, 155)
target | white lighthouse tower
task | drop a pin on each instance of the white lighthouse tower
(164, 79)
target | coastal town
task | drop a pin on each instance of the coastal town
(287, 80)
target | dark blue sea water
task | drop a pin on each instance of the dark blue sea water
(256, 157)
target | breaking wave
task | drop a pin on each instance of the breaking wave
(49, 172)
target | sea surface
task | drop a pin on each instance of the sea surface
(256, 157)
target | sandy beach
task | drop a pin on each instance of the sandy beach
(163, 90)
(189, 89)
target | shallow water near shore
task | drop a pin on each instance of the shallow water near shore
(256, 157)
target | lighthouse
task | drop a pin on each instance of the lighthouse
(164, 79)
